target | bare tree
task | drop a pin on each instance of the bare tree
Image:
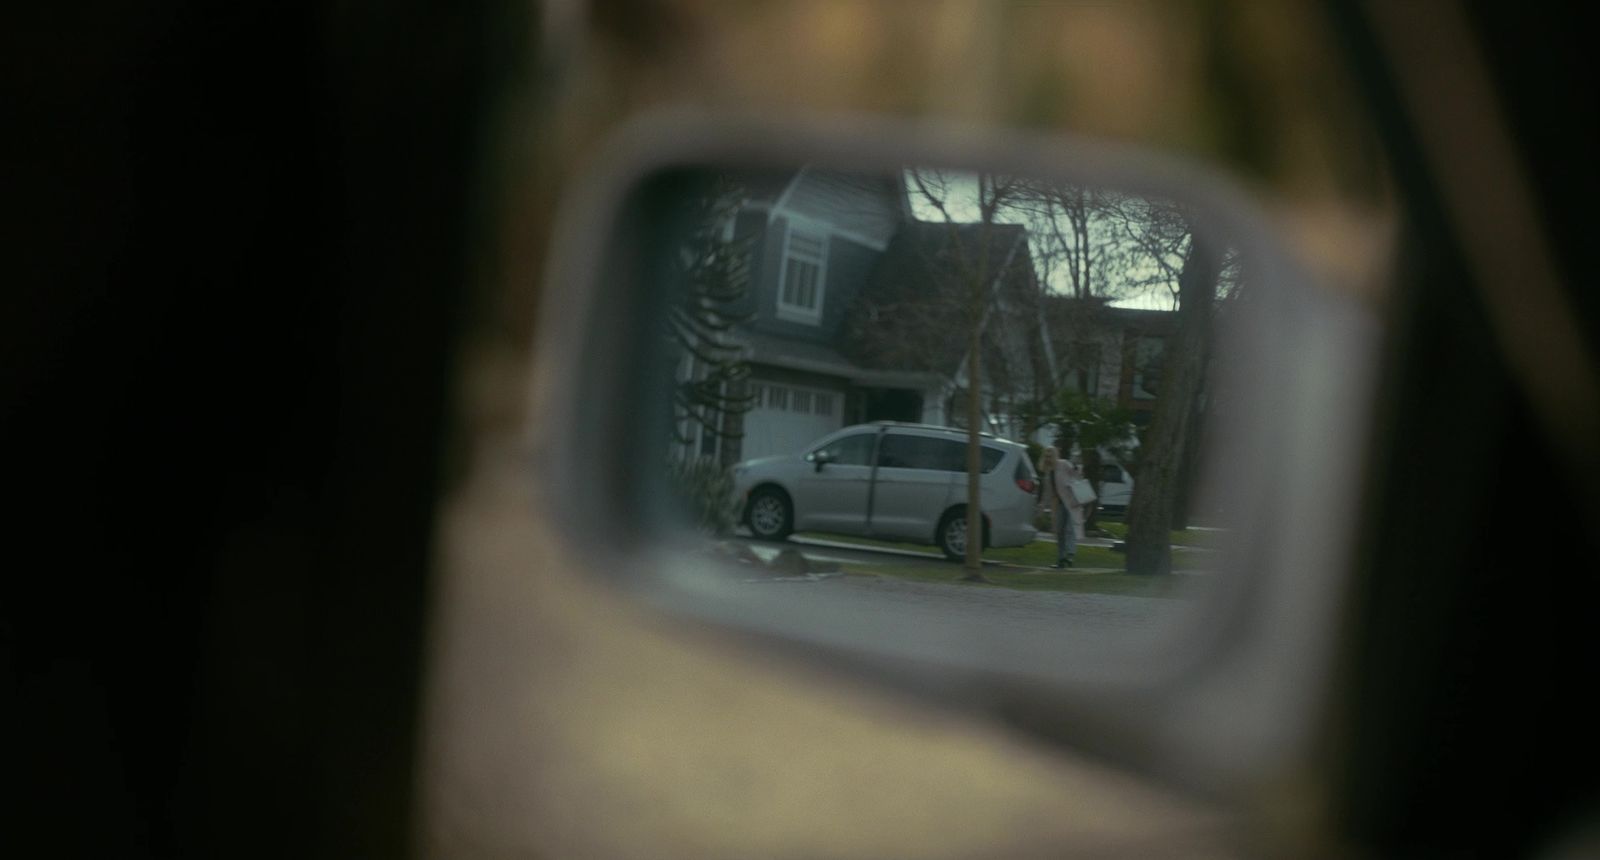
(1066, 222)
(1154, 242)
(979, 270)
(1162, 462)
(1081, 254)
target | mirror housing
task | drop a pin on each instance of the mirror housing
(1219, 708)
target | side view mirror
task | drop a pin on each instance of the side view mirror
(750, 286)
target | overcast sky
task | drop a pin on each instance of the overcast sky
(960, 193)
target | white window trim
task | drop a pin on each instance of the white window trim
(835, 402)
(797, 313)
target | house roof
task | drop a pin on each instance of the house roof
(794, 354)
(1071, 318)
(765, 186)
(912, 311)
(865, 207)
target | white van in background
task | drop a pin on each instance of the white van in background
(1116, 488)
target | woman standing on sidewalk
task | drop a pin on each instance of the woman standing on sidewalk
(1066, 515)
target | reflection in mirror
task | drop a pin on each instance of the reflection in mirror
(868, 370)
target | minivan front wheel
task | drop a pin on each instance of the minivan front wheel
(769, 516)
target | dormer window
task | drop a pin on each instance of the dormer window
(805, 265)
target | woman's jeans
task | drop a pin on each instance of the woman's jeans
(1066, 535)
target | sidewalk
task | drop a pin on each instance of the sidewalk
(1104, 543)
(1114, 544)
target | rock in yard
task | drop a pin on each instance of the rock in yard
(789, 562)
(738, 552)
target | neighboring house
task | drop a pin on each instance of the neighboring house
(839, 266)
(1110, 352)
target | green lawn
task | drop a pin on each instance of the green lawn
(1043, 554)
(1027, 580)
(1180, 537)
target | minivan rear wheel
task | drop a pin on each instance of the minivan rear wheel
(951, 536)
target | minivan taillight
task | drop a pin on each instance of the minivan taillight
(1027, 485)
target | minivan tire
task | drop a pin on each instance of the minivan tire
(769, 514)
(953, 524)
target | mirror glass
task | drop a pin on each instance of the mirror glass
(846, 376)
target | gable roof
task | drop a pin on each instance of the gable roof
(766, 186)
(912, 311)
(1071, 319)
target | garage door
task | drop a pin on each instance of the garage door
(786, 418)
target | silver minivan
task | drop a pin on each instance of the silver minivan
(891, 481)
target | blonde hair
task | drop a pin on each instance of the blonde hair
(1049, 458)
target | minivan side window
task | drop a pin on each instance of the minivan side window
(926, 452)
(991, 459)
(919, 452)
(1110, 473)
(852, 450)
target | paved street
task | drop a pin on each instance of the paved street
(965, 604)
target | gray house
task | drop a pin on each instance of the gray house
(843, 283)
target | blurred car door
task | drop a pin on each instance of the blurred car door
(916, 475)
(833, 495)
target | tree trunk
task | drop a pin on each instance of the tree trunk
(1189, 465)
(1151, 511)
(977, 307)
(974, 561)
(1091, 472)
